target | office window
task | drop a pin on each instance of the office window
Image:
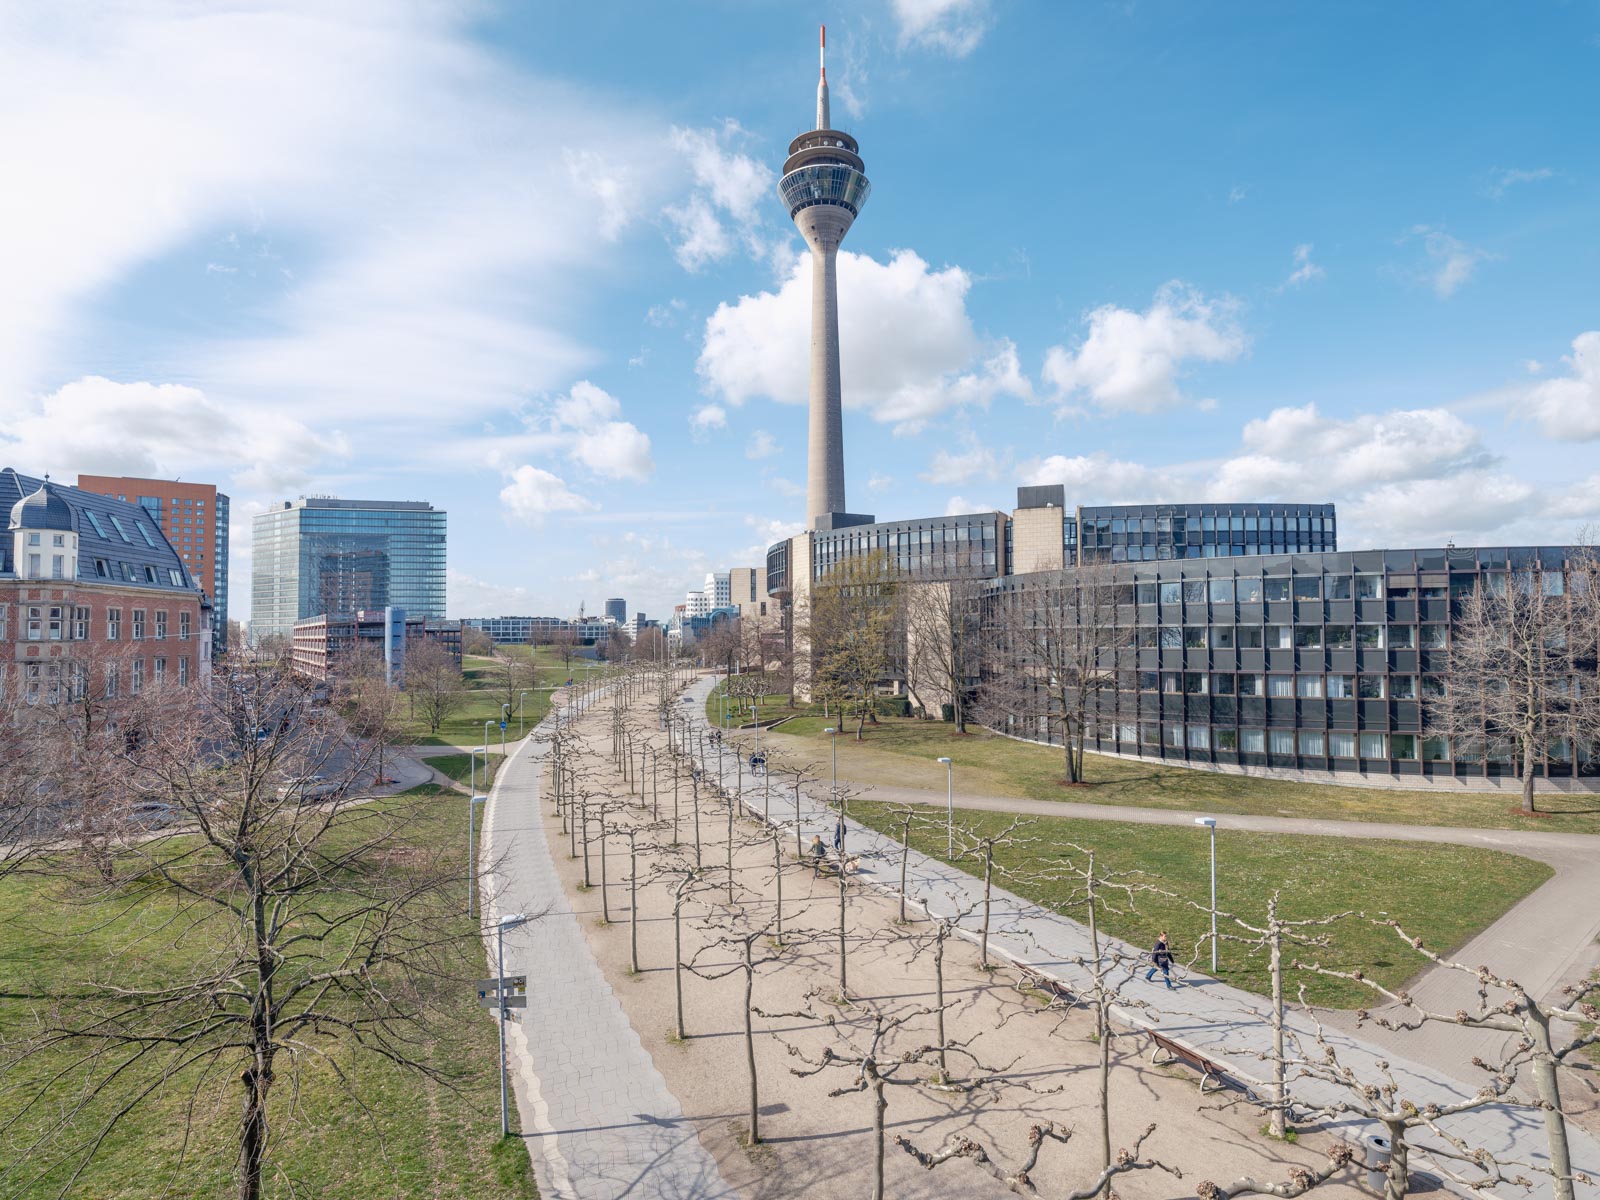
(1370, 637)
(183, 671)
(1222, 637)
(1221, 591)
(1199, 737)
(1226, 739)
(1249, 637)
(138, 624)
(136, 683)
(1250, 685)
(1402, 637)
(1278, 637)
(1148, 681)
(1171, 593)
(1145, 593)
(1312, 743)
(1307, 587)
(80, 624)
(1280, 686)
(1194, 684)
(1171, 637)
(1281, 740)
(1403, 687)
(1341, 745)
(1308, 687)
(1194, 637)
(1338, 587)
(1194, 591)
(1369, 587)
(1435, 637)
(113, 624)
(1341, 687)
(1373, 687)
(1172, 683)
(160, 669)
(1308, 637)
(112, 681)
(161, 625)
(1222, 685)
(1403, 745)
(35, 569)
(1173, 736)
(1252, 741)
(1373, 746)
(1435, 749)
(183, 626)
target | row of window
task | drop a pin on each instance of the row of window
(1235, 523)
(1303, 687)
(58, 622)
(1431, 636)
(133, 574)
(52, 683)
(1317, 743)
(1165, 551)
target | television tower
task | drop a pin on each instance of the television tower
(824, 185)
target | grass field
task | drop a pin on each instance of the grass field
(903, 751)
(481, 701)
(408, 1136)
(1443, 893)
(459, 767)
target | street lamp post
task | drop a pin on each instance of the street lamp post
(472, 859)
(521, 696)
(505, 719)
(486, 725)
(510, 921)
(1211, 824)
(950, 808)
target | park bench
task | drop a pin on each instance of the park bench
(1175, 1051)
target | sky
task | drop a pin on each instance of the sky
(526, 261)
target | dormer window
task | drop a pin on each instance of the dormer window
(121, 532)
(95, 521)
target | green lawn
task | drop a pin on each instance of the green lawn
(902, 750)
(459, 767)
(408, 1136)
(481, 702)
(1442, 893)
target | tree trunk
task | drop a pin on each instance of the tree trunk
(1529, 759)
(583, 815)
(633, 903)
(694, 789)
(905, 859)
(677, 960)
(750, 1043)
(257, 1081)
(605, 891)
(938, 984)
(1547, 1083)
(777, 875)
(1397, 1182)
(844, 989)
(988, 893)
(880, 1105)
(1280, 1087)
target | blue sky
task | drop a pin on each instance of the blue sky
(526, 261)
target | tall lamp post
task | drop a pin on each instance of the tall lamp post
(472, 858)
(505, 719)
(509, 921)
(950, 808)
(521, 696)
(1211, 824)
(486, 726)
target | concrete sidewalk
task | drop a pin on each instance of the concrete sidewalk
(598, 1117)
(1223, 1022)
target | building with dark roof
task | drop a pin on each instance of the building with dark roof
(89, 579)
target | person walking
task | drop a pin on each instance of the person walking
(817, 852)
(1160, 960)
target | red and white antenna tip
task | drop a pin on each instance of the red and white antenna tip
(822, 50)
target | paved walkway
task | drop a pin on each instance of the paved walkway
(1223, 1022)
(598, 1117)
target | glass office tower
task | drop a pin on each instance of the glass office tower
(321, 555)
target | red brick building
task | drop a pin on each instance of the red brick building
(90, 583)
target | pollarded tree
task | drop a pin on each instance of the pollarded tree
(433, 682)
(1520, 670)
(848, 628)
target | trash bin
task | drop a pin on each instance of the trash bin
(1377, 1155)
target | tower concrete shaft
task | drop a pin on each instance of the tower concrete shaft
(824, 185)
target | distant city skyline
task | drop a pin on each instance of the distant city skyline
(535, 267)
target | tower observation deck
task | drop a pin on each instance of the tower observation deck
(824, 185)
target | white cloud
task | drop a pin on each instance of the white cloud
(1451, 261)
(977, 461)
(953, 27)
(1569, 408)
(1100, 479)
(1463, 507)
(730, 186)
(585, 406)
(615, 450)
(1131, 361)
(1305, 271)
(761, 445)
(1286, 450)
(907, 346)
(534, 492)
(959, 506)
(880, 483)
(708, 417)
(585, 423)
(1236, 193)
(1505, 178)
(468, 596)
(100, 426)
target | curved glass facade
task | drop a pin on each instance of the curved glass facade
(1319, 662)
(824, 183)
(1150, 532)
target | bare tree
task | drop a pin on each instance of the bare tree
(371, 706)
(1519, 1013)
(849, 623)
(1052, 647)
(982, 847)
(941, 644)
(433, 682)
(310, 939)
(1020, 1179)
(1520, 668)
(1341, 1155)
(507, 675)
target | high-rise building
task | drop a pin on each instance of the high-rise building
(717, 590)
(824, 185)
(194, 516)
(323, 555)
(617, 610)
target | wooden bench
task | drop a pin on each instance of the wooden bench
(1175, 1051)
